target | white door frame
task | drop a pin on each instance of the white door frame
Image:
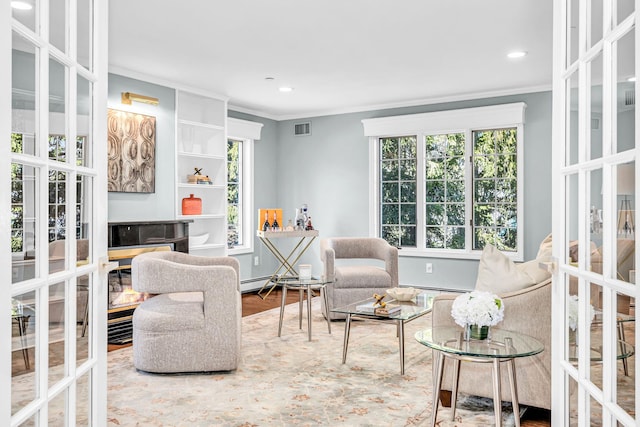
(572, 177)
(94, 367)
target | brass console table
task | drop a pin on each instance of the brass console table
(286, 268)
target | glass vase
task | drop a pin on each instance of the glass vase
(476, 332)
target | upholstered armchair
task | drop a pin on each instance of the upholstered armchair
(525, 290)
(357, 267)
(193, 324)
(527, 311)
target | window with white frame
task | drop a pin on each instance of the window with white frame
(447, 183)
(240, 141)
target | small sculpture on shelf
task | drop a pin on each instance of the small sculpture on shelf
(198, 178)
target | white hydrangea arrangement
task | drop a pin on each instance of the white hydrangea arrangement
(573, 312)
(477, 308)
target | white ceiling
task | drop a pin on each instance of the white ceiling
(338, 55)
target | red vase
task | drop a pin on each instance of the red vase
(191, 205)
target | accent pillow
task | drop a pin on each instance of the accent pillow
(545, 248)
(532, 269)
(498, 274)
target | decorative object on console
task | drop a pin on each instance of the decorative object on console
(191, 205)
(477, 309)
(270, 219)
(403, 294)
(131, 152)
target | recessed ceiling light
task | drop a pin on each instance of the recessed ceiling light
(21, 5)
(631, 79)
(269, 78)
(517, 54)
(285, 89)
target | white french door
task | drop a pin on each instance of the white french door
(53, 216)
(594, 197)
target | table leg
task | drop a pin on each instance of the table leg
(309, 310)
(401, 343)
(326, 307)
(282, 304)
(23, 321)
(300, 301)
(437, 386)
(621, 338)
(497, 396)
(347, 328)
(511, 369)
(454, 389)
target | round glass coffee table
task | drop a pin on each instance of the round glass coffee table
(502, 346)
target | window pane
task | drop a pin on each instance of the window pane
(625, 92)
(83, 142)
(234, 193)
(23, 342)
(495, 188)
(58, 110)
(398, 189)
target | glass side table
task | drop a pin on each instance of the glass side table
(308, 286)
(503, 346)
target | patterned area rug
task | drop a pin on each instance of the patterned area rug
(291, 381)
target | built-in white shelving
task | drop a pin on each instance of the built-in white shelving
(201, 143)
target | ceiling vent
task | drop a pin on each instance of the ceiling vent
(302, 129)
(629, 97)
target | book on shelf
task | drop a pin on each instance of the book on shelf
(373, 308)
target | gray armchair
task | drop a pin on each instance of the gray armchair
(357, 267)
(194, 323)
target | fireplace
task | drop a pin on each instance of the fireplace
(126, 240)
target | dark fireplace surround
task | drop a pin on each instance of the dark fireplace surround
(125, 240)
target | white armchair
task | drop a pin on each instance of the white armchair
(194, 324)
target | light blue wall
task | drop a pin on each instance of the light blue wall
(329, 171)
(148, 206)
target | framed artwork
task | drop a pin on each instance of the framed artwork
(131, 152)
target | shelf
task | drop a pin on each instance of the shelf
(200, 125)
(201, 156)
(202, 186)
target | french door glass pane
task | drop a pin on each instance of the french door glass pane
(573, 27)
(596, 21)
(625, 224)
(84, 294)
(572, 119)
(57, 412)
(84, 145)
(23, 97)
(626, 364)
(58, 23)
(595, 212)
(85, 24)
(57, 322)
(595, 124)
(625, 92)
(24, 180)
(83, 400)
(26, 14)
(624, 9)
(23, 341)
(57, 108)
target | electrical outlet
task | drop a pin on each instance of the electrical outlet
(429, 268)
(256, 260)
